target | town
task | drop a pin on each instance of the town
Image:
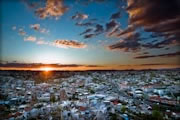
(90, 95)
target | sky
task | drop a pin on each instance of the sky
(90, 34)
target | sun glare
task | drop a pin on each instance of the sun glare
(46, 69)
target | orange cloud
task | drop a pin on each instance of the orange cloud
(30, 38)
(53, 8)
(69, 44)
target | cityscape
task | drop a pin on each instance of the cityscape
(89, 95)
(90, 60)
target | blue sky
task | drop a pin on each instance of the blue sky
(27, 37)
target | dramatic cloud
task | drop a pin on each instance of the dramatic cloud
(79, 16)
(69, 44)
(129, 44)
(114, 32)
(99, 29)
(163, 43)
(54, 8)
(113, 28)
(111, 25)
(161, 17)
(129, 30)
(151, 12)
(160, 55)
(30, 38)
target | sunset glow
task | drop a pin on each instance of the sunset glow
(46, 69)
(88, 34)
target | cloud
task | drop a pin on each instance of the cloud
(113, 28)
(151, 12)
(154, 64)
(86, 31)
(79, 16)
(129, 44)
(114, 32)
(41, 42)
(53, 8)
(30, 38)
(131, 33)
(157, 16)
(88, 36)
(38, 66)
(129, 30)
(151, 16)
(99, 29)
(43, 30)
(168, 40)
(3, 62)
(116, 15)
(35, 26)
(22, 32)
(69, 44)
(13, 27)
(111, 25)
(160, 55)
(86, 24)
(164, 43)
(57, 43)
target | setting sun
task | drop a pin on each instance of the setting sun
(46, 69)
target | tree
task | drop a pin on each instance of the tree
(113, 116)
(123, 109)
(92, 91)
(53, 98)
(156, 114)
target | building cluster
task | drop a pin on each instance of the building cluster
(92, 95)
